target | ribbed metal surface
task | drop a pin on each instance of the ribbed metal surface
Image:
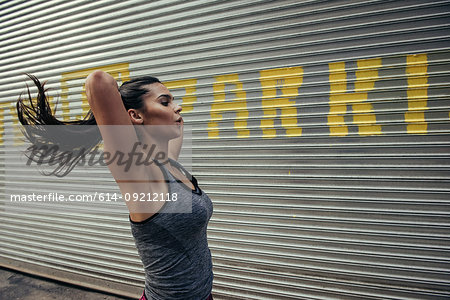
(320, 131)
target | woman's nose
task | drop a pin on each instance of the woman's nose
(178, 108)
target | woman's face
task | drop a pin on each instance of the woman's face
(160, 110)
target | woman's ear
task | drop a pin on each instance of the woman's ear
(135, 116)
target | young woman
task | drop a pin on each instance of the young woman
(170, 232)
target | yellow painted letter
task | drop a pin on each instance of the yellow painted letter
(288, 80)
(18, 136)
(239, 104)
(416, 70)
(189, 98)
(363, 115)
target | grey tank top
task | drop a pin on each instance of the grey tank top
(173, 244)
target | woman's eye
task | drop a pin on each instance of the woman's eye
(165, 103)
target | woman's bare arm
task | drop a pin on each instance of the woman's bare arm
(106, 104)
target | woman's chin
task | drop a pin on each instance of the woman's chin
(168, 131)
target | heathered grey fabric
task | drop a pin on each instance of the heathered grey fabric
(173, 245)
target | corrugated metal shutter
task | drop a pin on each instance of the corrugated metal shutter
(320, 130)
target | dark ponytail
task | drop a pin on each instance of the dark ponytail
(133, 90)
(53, 145)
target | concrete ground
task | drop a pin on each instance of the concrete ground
(16, 285)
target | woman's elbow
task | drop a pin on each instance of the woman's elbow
(98, 83)
(98, 75)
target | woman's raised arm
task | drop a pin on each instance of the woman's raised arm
(106, 104)
(116, 128)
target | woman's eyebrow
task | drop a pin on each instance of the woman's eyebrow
(165, 96)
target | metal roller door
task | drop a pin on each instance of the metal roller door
(320, 130)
